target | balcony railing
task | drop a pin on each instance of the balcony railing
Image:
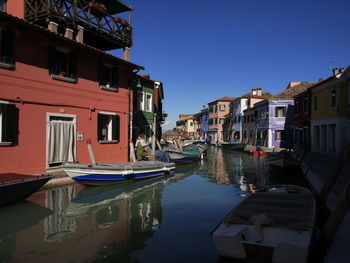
(88, 14)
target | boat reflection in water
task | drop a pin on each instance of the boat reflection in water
(88, 224)
(11, 222)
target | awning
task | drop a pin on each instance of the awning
(115, 7)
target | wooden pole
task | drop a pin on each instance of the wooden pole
(91, 151)
(132, 151)
(343, 204)
(330, 181)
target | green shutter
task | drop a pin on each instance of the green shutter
(7, 46)
(72, 64)
(116, 128)
(101, 77)
(52, 60)
(99, 126)
(9, 123)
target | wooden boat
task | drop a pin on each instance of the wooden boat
(111, 173)
(233, 145)
(280, 160)
(185, 156)
(15, 187)
(274, 225)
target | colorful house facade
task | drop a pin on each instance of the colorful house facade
(274, 116)
(217, 110)
(59, 88)
(147, 113)
(330, 113)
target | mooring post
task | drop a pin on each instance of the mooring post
(91, 151)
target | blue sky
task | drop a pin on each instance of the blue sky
(204, 50)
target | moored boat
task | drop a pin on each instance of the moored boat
(185, 156)
(111, 173)
(16, 187)
(233, 145)
(272, 224)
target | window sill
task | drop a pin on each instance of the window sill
(6, 65)
(61, 78)
(108, 142)
(4, 144)
(108, 88)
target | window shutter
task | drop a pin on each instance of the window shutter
(116, 128)
(52, 61)
(10, 124)
(99, 127)
(72, 71)
(101, 77)
(7, 46)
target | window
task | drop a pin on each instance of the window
(221, 120)
(145, 101)
(211, 109)
(3, 5)
(108, 77)
(279, 135)
(306, 105)
(216, 108)
(315, 103)
(6, 48)
(222, 107)
(210, 121)
(62, 64)
(296, 108)
(280, 112)
(108, 128)
(8, 124)
(333, 97)
(191, 123)
(245, 134)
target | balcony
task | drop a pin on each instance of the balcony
(102, 28)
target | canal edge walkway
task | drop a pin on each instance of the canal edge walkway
(317, 167)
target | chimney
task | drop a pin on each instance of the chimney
(126, 54)
(337, 71)
(80, 36)
(69, 33)
(53, 27)
(257, 91)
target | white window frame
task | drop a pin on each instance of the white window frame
(141, 100)
(109, 128)
(148, 102)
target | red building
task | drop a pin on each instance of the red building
(58, 86)
(302, 119)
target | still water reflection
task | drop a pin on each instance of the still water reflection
(165, 219)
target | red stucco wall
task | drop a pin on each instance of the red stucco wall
(35, 94)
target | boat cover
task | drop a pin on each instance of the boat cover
(283, 209)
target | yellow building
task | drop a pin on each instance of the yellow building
(329, 114)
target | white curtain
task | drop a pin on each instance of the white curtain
(61, 141)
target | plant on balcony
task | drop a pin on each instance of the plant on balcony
(98, 7)
(62, 74)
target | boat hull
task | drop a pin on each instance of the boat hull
(183, 156)
(233, 146)
(16, 187)
(105, 174)
(271, 225)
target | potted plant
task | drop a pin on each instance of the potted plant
(62, 74)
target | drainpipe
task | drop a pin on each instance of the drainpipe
(154, 134)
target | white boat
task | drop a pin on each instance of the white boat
(275, 225)
(111, 173)
(185, 156)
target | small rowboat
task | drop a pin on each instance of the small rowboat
(274, 225)
(15, 187)
(111, 173)
(185, 156)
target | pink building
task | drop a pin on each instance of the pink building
(217, 111)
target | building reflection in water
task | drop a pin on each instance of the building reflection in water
(57, 225)
(232, 167)
(88, 224)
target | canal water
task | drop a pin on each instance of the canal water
(165, 219)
